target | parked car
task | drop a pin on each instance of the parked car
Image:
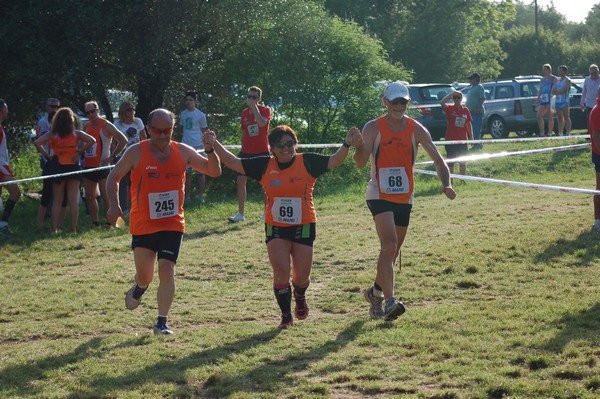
(510, 106)
(425, 98)
(578, 121)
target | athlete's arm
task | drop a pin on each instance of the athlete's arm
(365, 146)
(424, 139)
(117, 135)
(230, 160)
(209, 165)
(342, 153)
(128, 162)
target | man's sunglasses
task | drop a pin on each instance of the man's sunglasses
(158, 131)
(455, 97)
(252, 97)
(282, 144)
(91, 111)
(399, 100)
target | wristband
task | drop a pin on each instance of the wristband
(346, 144)
(209, 152)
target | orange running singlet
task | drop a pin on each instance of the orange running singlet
(64, 148)
(290, 194)
(392, 161)
(94, 153)
(157, 192)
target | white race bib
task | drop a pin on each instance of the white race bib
(393, 180)
(460, 122)
(91, 152)
(544, 98)
(287, 210)
(164, 205)
(253, 130)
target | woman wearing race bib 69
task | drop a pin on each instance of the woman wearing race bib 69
(288, 179)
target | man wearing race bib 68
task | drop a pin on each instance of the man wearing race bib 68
(391, 142)
(288, 179)
(158, 174)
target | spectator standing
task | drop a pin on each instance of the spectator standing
(256, 120)
(158, 168)
(64, 140)
(194, 125)
(459, 128)
(391, 143)
(591, 84)
(99, 155)
(133, 128)
(594, 126)
(561, 91)
(475, 100)
(43, 126)
(547, 83)
(6, 175)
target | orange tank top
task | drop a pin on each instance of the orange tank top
(157, 192)
(392, 161)
(94, 153)
(289, 194)
(65, 148)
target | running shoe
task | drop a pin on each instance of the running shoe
(238, 217)
(376, 309)
(286, 321)
(162, 329)
(301, 309)
(130, 302)
(393, 309)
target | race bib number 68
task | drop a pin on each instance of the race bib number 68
(393, 181)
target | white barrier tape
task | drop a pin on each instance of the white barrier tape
(514, 183)
(479, 157)
(6, 183)
(519, 140)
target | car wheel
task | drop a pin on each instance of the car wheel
(497, 127)
(523, 133)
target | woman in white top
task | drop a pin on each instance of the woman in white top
(133, 128)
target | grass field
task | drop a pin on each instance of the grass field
(501, 287)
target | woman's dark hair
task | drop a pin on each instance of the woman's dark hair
(279, 132)
(64, 122)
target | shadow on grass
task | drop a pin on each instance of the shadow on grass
(584, 325)
(19, 380)
(264, 377)
(586, 247)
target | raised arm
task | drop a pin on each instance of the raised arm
(353, 138)
(230, 160)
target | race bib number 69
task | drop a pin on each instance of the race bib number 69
(287, 210)
(393, 181)
(163, 205)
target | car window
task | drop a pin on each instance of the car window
(504, 92)
(434, 93)
(529, 89)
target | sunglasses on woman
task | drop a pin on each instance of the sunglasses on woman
(283, 144)
(399, 100)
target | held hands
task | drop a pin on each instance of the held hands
(448, 191)
(208, 139)
(354, 137)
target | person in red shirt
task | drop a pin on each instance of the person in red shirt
(594, 125)
(288, 178)
(158, 175)
(459, 128)
(255, 130)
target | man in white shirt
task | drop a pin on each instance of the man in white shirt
(193, 122)
(588, 94)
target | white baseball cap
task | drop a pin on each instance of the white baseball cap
(396, 90)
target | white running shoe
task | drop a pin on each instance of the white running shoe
(238, 217)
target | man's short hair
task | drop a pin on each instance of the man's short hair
(564, 68)
(192, 94)
(53, 100)
(593, 66)
(548, 66)
(256, 89)
(159, 111)
(2, 103)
